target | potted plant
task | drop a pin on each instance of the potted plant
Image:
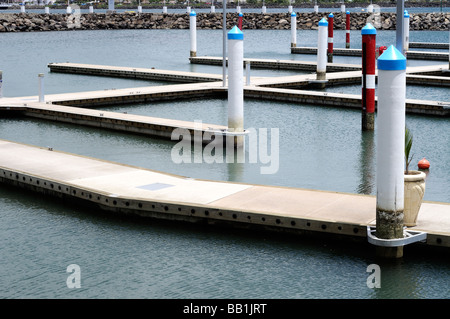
(414, 186)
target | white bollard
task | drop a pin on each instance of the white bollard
(322, 50)
(41, 87)
(69, 10)
(164, 9)
(290, 9)
(405, 31)
(293, 30)
(110, 6)
(247, 72)
(91, 9)
(316, 8)
(370, 8)
(390, 144)
(193, 32)
(188, 9)
(47, 10)
(343, 8)
(139, 9)
(213, 9)
(263, 9)
(236, 82)
(22, 9)
(238, 9)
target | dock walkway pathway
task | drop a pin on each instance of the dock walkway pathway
(128, 189)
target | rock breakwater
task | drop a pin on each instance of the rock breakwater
(28, 22)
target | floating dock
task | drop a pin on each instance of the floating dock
(54, 108)
(133, 190)
(283, 88)
(108, 97)
(413, 55)
(309, 66)
(133, 73)
(428, 45)
(123, 122)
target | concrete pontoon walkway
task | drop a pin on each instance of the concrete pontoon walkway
(428, 45)
(133, 73)
(412, 55)
(128, 189)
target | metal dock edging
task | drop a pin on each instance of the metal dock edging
(411, 236)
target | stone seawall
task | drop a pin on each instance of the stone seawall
(28, 22)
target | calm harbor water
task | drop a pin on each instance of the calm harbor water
(320, 148)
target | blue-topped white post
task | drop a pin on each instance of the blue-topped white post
(193, 32)
(236, 83)
(22, 8)
(316, 7)
(293, 30)
(405, 32)
(390, 147)
(322, 50)
(41, 87)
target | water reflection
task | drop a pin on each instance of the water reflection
(367, 163)
(397, 280)
(235, 171)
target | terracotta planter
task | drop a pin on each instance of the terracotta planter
(414, 191)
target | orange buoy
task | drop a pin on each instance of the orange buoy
(423, 164)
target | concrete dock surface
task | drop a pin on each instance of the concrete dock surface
(133, 190)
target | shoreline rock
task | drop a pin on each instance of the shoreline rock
(35, 22)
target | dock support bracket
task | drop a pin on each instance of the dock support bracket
(410, 236)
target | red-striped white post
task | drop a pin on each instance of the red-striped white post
(240, 21)
(330, 37)
(347, 30)
(368, 77)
